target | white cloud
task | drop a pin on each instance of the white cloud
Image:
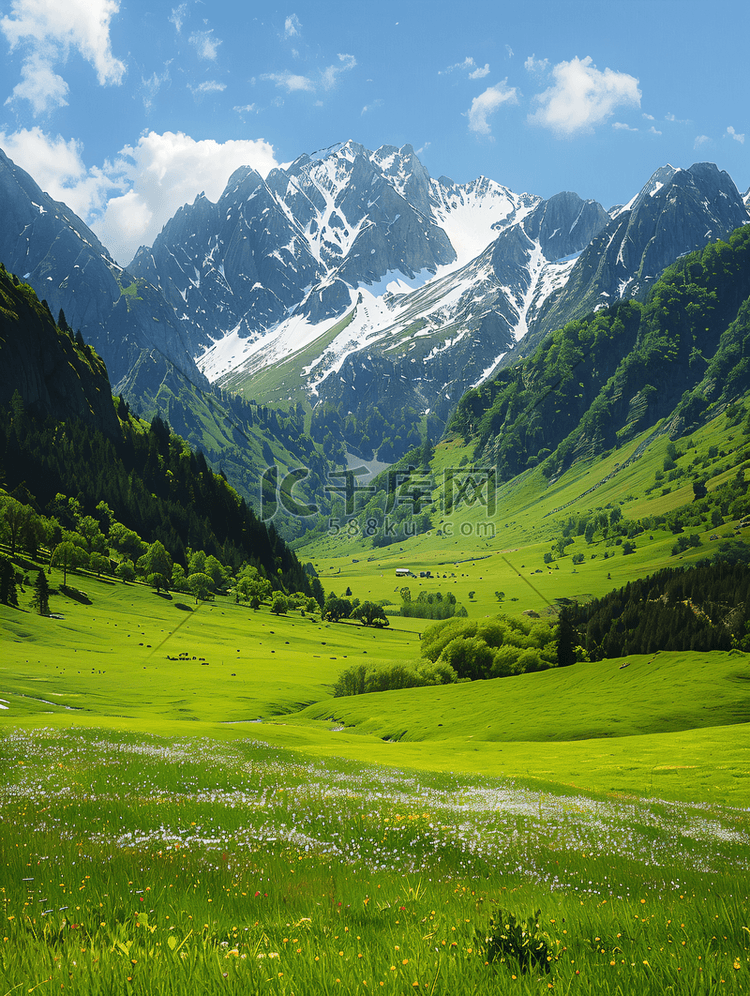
(48, 30)
(469, 66)
(648, 117)
(177, 16)
(487, 103)
(654, 131)
(205, 44)
(292, 27)
(330, 75)
(163, 172)
(583, 97)
(327, 78)
(372, 106)
(621, 126)
(40, 85)
(510, 51)
(151, 86)
(209, 86)
(700, 141)
(735, 135)
(290, 81)
(537, 66)
(129, 201)
(58, 167)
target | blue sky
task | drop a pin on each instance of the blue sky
(127, 109)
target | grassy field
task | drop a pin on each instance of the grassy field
(185, 808)
(157, 839)
(155, 865)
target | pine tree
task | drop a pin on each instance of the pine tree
(8, 593)
(40, 601)
(566, 637)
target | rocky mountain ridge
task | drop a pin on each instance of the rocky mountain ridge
(387, 284)
(47, 245)
(676, 212)
(301, 242)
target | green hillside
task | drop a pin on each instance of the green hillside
(466, 549)
(130, 659)
(620, 697)
(239, 439)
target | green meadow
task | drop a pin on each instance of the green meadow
(185, 807)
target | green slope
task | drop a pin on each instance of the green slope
(470, 550)
(612, 698)
(656, 725)
(239, 439)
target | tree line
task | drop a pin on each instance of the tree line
(701, 608)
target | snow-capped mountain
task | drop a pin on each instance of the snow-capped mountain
(353, 277)
(301, 243)
(430, 272)
(677, 211)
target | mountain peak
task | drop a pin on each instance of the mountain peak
(241, 176)
(662, 177)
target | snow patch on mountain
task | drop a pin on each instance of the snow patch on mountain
(473, 214)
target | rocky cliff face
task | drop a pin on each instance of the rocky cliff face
(676, 212)
(49, 247)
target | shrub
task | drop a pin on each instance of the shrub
(531, 660)
(279, 605)
(493, 632)
(504, 662)
(436, 638)
(430, 605)
(491, 648)
(125, 570)
(522, 942)
(470, 657)
(362, 678)
(370, 614)
(336, 608)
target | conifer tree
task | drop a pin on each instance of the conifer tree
(565, 641)
(8, 593)
(40, 601)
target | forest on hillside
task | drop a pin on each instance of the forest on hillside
(706, 607)
(601, 380)
(152, 484)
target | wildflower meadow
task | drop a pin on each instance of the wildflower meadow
(133, 864)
